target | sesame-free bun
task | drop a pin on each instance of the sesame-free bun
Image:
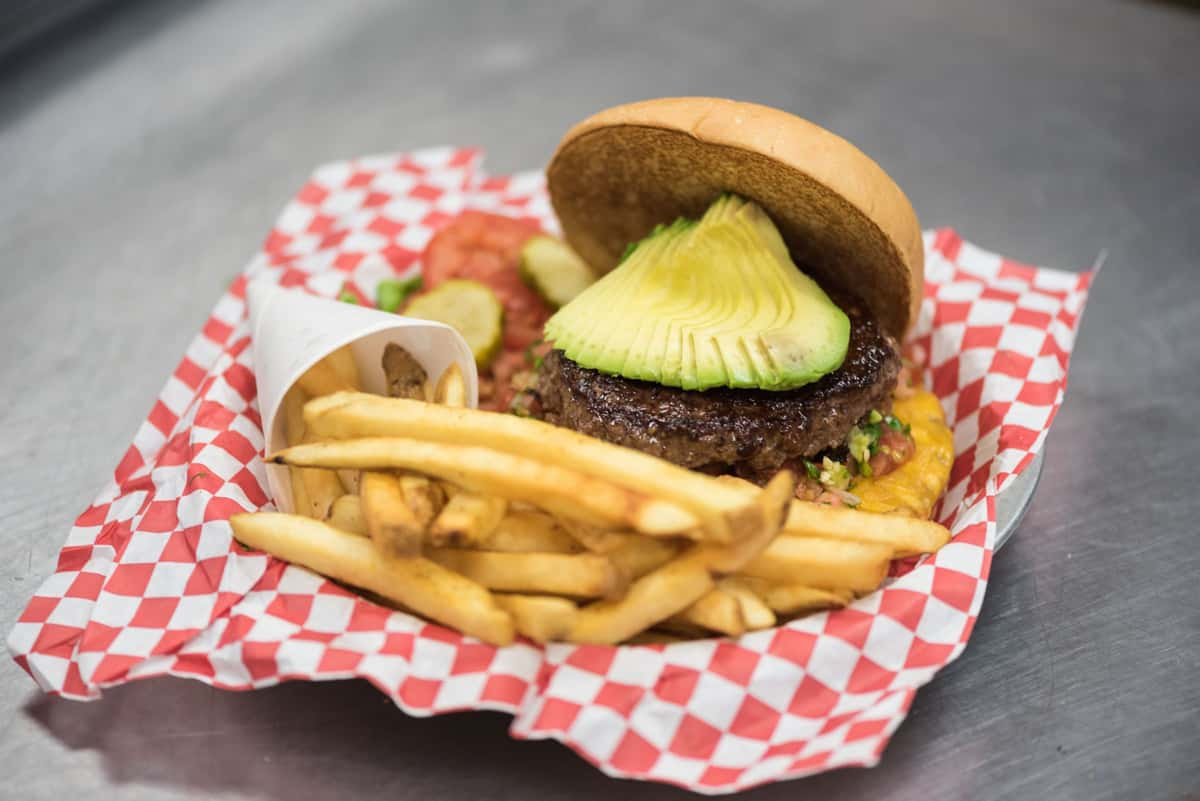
(620, 172)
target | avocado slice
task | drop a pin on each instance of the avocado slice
(586, 331)
(644, 283)
(712, 303)
(645, 359)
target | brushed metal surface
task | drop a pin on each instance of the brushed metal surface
(1013, 504)
(145, 157)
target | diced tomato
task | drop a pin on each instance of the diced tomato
(895, 448)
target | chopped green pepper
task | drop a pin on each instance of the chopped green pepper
(863, 441)
(859, 443)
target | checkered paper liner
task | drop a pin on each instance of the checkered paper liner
(150, 581)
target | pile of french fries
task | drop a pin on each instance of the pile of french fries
(500, 526)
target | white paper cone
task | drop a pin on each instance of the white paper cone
(291, 331)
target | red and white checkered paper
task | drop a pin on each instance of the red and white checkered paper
(150, 582)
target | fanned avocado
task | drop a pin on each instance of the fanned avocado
(713, 303)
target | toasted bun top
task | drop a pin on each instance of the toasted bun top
(622, 171)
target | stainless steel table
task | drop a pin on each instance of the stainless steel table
(145, 154)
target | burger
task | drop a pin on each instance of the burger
(758, 276)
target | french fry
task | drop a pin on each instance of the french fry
(342, 362)
(798, 599)
(313, 490)
(404, 375)
(822, 563)
(582, 575)
(905, 536)
(530, 532)
(681, 582)
(466, 519)
(293, 430)
(726, 511)
(451, 389)
(347, 516)
(737, 482)
(350, 480)
(771, 505)
(634, 550)
(322, 488)
(323, 379)
(389, 520)
(424, 498)
(596, 539)
(717, 611)
(414, 582)
(566, 493)
(656, 596)
(639, 555)
(541, 618)
(299, 493)
(757, 614)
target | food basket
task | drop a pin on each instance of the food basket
(151, 583)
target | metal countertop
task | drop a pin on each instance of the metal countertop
(145, 153)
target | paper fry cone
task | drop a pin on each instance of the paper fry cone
(291, 331)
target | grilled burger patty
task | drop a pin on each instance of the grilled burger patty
(749, 431)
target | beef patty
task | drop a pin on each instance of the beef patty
(749, 431)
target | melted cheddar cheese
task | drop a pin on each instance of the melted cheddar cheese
(915, 486)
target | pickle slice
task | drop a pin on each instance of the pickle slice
(470, 308)
(554, 271)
